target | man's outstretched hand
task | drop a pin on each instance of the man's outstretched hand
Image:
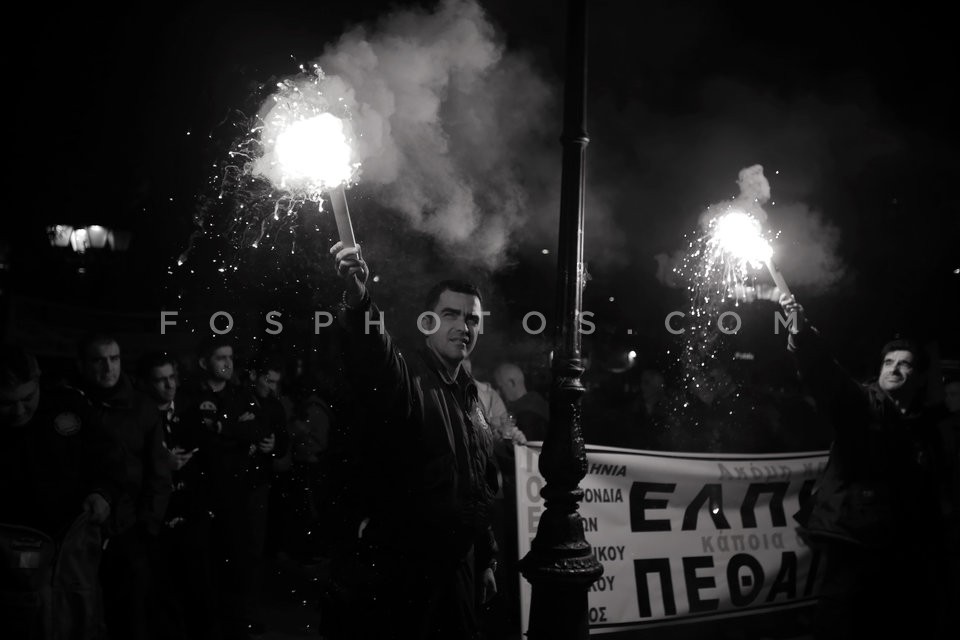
(791, 307)
(353, 269)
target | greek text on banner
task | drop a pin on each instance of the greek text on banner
(684, 537)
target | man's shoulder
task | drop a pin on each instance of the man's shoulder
(62, 393)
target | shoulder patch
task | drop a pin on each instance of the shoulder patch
(478, 419)
(67, 423)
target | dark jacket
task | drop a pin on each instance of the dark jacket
(881, 485)
(190, 497)
(131, 418)
(48, 587)
(49, 466)
(273, 420)
(433, 448)
(532, 412)
(226, 442)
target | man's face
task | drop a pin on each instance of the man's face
(459, 326)
(219, 366)
(100, 366)
(267, 384)
(18, 404)
(163, 383)
(896, 372)
(503, 385)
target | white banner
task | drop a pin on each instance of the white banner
(684, 537)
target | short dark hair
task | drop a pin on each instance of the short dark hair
(457, 286)
(17, 366)
(211, 343)
(261, 365)
(92, 338)
(905, 344)
(153, 359)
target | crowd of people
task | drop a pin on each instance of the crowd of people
(142, 503)
(160, 489)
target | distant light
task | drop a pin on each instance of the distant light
(545, 251)
(632, 355)
(81, 269)
(777, 172)
(611, 298)
(376, 278)
(956, 272)
(188, 133)
(79, 241)
(97, 236)
(60, 235)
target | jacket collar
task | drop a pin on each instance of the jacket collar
(120, 395)
(463, 380)
(915, 408)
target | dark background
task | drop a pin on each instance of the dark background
(851, 104)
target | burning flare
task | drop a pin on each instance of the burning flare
(307, 150)
(735, 244)
(737, 237)
(313, 154)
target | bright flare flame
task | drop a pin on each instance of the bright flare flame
(314, 154)
(738, 236)
(306, 141)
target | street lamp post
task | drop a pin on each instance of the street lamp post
(560, 565)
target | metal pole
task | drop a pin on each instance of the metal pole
(560, 565)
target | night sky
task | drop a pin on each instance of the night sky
(848, 108)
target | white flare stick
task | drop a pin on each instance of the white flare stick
(338, 198)
(777, 277)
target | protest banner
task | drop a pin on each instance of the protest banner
(684, 537)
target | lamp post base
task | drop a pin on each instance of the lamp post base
(560, 568)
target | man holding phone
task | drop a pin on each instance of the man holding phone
(183, 565)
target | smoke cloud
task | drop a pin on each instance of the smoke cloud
(451, 128)
(807, 247)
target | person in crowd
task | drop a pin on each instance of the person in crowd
(529, 408)
(231, 433)
(185, 588)
(429, 534)
(265, 375)
(60, 478)
(949, 428)
(295, 503)
(875, 513)
(131, 418)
